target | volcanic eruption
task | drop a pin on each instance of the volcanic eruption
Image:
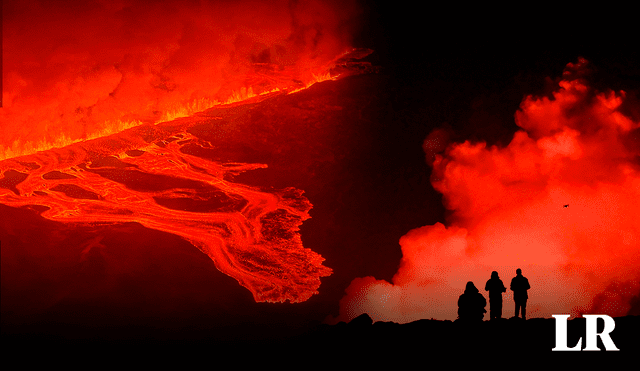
(89, 69)
(560, 201)
(147, 147)
(92, 133)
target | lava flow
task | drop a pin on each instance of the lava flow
(251, 235)
(167, 178)
(90, 89)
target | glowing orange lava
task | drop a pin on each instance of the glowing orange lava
(251, 235)
(145, 174)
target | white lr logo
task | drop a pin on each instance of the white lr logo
(591, 332)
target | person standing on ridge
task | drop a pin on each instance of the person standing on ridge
(496, 288)
(519, 286)
(471, 304)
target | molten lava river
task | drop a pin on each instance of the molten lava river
(146, 175)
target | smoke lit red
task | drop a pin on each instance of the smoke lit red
(86, 69)
(561, 202)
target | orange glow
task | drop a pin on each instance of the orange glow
(18, 148)
(560, 202)
(140, 175)
(85, 84)
(77, 73)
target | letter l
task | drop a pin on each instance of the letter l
(561, 334)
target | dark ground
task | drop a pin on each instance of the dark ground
(357, 344)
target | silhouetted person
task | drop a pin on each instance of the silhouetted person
(519, 286)
(471, 304)
(496, 288)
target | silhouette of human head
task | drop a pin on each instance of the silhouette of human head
(470, 288)
(519, 272)
(494, 274)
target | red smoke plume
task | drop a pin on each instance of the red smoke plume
(88, 68)
(561, 202)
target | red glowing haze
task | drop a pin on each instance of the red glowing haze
(560, 202)
(90, 68)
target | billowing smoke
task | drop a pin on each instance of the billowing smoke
(560, 201)
(76, 69)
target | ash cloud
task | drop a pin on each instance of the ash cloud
(508, 210)
(70, 67)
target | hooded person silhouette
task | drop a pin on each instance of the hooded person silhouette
(496, 288)
(471, 304)
(519, 286)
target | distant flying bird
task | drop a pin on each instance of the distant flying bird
(565, 206)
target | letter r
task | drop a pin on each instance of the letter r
(592, 332)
